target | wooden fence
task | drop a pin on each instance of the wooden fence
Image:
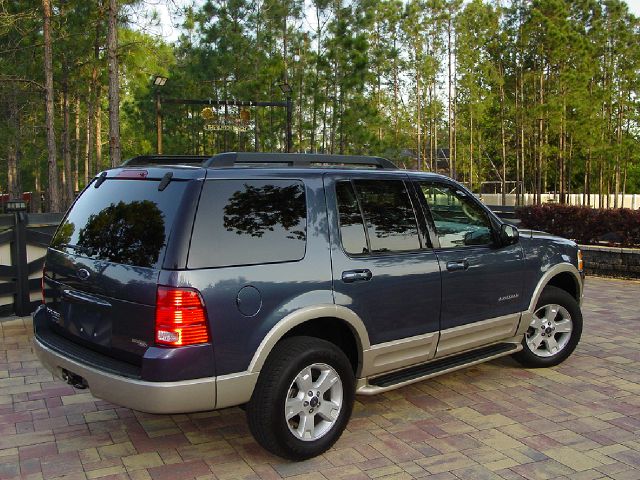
(23, 242)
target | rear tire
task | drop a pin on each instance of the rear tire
(554, 331)
(303, 398)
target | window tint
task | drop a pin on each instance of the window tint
(458, 219)
(354, 239)
(389, 215)
(245, 222)
(122, 221)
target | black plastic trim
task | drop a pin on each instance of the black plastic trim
(87, 357)
(411, 373)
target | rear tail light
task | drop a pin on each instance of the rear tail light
(181, 318)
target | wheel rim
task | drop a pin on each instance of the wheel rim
(314, 402)
(549, 331)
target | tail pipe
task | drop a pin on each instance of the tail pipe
(76, 381)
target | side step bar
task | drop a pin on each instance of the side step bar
(416, 373)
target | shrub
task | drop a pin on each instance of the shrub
(587, 226)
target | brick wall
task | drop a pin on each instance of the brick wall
(611, 261)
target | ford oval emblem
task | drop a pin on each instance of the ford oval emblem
(83, 274)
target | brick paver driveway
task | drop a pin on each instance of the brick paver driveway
(496, 420)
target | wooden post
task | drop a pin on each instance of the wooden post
(22, 302)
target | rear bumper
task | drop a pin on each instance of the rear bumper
(153, 397)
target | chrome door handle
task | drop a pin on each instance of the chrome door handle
(351, 276)
(459, 265)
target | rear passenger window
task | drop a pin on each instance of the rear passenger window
(388, 215)
(354, 239)
(246, 222)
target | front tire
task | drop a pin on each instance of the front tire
(554, 331)
(303, 398)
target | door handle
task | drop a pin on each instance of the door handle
(351, 276)
(459, 265)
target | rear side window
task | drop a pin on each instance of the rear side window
(248, 222)
(354, 239)
(388, 215)
(122, 221)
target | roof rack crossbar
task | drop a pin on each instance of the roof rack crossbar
(231, 159)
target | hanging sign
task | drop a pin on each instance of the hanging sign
(216, 120)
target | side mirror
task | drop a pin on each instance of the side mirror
(508, 234)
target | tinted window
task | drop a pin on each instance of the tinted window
(352, 231)
(122, 221)
(245, 222)
(458, 219)
(389, 215)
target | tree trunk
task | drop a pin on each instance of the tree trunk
(471, 148)
(503, 138)
(561, 150)
(418, 117)
(517, 140)
(540, 156)
(396, 122)
(435, 127)
(13, 155)
(98, 133)
(114, 85)
(522, 139)
(569, 168)
(316, 83)
(66, 143)
(452, 161)
(94, 102)
(76, 156)
(586, 197)
(52, 168)
(88, 150)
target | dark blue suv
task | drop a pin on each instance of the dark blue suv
(288, 283)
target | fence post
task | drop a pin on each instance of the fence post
(22, 303)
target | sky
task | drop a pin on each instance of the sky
(634, 6)
(170, 21)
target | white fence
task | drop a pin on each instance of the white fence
(626, 201)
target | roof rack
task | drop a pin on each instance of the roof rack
(142, 160)
(259, 159)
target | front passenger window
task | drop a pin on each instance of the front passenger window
(458, 219)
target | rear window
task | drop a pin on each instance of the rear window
(248, 222)
(122, 221)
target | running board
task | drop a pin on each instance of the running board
(417, 373)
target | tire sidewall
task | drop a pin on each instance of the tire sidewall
(333, 357)
(553, 295)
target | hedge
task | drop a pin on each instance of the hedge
(587, 226)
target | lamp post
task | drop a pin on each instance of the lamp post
(159, 82)
(287, 90)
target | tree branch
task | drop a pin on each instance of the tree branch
(10, 78)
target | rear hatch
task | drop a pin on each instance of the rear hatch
(102, 266)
